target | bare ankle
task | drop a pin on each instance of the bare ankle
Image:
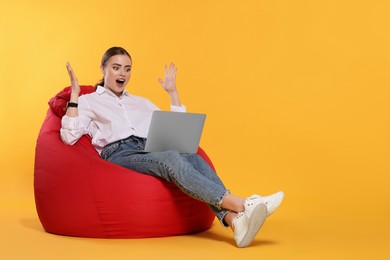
(233, 203)
(229, 217)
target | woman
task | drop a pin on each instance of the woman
(118, 123)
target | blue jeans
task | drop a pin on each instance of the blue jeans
(189, 172)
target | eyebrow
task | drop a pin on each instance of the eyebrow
(116, 64)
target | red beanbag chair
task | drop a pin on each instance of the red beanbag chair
(79, 194)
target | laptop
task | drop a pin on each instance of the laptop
(174, 131)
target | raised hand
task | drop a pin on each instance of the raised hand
(169, 82)
(73, 80)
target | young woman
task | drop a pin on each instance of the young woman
(118, 123)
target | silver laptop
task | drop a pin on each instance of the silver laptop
(175, 131)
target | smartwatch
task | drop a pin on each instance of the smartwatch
(71, 104)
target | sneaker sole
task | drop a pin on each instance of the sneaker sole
(257, 219)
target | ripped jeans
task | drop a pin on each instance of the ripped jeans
(189, 172)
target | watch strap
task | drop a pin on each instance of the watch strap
(71, 104)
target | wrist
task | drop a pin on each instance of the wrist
(175, 99)
(71, 104)
(74, 97)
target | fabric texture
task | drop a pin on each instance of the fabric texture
(79, 194)
(58, 103)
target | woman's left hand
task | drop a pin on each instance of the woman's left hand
(169, 82)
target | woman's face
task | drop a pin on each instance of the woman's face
(117, 72)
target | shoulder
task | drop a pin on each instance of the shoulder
(92, 95)
(86, 99)
(88, 96)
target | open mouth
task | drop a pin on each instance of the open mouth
(120, 82)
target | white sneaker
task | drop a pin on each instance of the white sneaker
(272, 201)
(246, 228)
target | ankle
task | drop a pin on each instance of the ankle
(233, 203)
(229, 218)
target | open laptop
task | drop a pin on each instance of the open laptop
(174, 131)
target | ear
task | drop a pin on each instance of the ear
(102, 69)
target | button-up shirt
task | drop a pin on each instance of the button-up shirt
(108, 118)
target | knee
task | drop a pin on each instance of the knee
(172, 156)
(173, 159)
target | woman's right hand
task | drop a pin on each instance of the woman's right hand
(73, 80)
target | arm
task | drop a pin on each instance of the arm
(74, 96)
(169, 84)
(71, 127)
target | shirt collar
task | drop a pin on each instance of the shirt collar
(100, 90)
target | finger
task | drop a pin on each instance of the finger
(171, 69)
(174, 70)
(71, 72)
(68, 67)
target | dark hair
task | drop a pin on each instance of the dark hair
(108, 54)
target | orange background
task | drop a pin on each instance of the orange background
(297, 98)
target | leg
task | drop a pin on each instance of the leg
(245, 216)
(124, 153)
(196, 179)
(172, 167)
(230, 202)
(202, 167)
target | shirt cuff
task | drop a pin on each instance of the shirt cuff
(182, 108)
(69, 122)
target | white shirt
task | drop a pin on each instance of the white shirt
(108, 118)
